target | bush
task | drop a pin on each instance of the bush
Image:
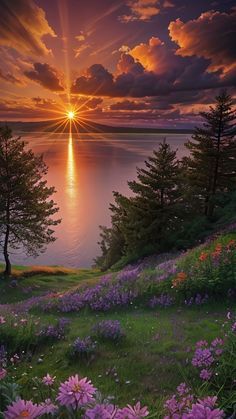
(83, 348)
(109, 329)
(18, 334)
(209, 270)
(56, 331)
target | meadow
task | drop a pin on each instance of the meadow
(137, 334)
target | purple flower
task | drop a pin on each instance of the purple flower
(234, 327)
(76, 392)
(202, 358)
(23, 409)
(83, 346)
(205, 375)
(164, 300)
(48, 380)
(109, 329)
(183, 389)
(217, 341)
(56, 331)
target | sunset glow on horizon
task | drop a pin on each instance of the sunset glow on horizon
(127, 62)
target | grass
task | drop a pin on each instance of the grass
(147, 365)
(36, 280)
(150, 362)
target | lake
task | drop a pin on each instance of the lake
(85, 169)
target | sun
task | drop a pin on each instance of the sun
(70, 115)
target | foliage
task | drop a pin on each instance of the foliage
(18, 335)
(108, 330)
(83, 348)
(175, 204)
(26, 210)
(208, 270)
(212, 163)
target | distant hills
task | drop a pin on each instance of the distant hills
(86, 126)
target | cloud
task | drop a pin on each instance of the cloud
(211, 36)
(81, 37)
(133, 79)
(142, 10)
(81, 48)
(10, 78)
(128, 105)
(97, 80)
(46, 76)
(22, 26)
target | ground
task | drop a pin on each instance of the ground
(146, 365)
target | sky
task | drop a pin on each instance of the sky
(154, 63)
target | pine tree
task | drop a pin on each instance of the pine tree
(212, 161)
(25, 205)
(147, 218)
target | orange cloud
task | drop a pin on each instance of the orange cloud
(22, 26)
(210, 36)
(153, 55)
(141, 10)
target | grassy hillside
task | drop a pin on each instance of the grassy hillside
(163, 311)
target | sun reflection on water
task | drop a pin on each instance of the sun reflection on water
(71, 174)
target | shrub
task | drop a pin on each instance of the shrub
(109, 329)
(164, 300)
(56, 331)
(83, 348)
(18, 334)
(209, 270)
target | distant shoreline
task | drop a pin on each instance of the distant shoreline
(88, 127)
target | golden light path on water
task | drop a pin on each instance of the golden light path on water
(71, 170)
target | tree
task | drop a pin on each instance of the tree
(111, 244)
(147, 218)
(212, 161)
(26, 210)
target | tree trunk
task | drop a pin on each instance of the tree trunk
(7, 271)
(215, 178)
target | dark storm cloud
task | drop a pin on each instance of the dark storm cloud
(135, 81)
(45, 75)
(22, 26)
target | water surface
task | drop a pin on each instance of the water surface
(85, 169)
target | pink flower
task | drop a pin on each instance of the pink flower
(198, 411)
(23, 409)
(208, 401)
(76, 392)
(205, 375)
(48, 380)
(3, 373)
(135, 412)
(228, 315)
(2, 320)
(48, 407)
